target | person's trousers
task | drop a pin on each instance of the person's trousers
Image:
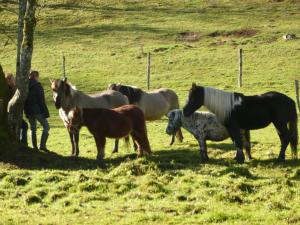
(43, 121)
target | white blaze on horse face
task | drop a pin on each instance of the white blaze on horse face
(55, 96)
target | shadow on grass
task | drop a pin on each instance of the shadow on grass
(26, 158)
(226, 146)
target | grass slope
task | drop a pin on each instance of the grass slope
(106, 41)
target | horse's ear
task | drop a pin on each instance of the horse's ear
(65, 79)
(112, 86)
(194, 85)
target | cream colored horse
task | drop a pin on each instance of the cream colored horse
(66, 97)
(155, 104)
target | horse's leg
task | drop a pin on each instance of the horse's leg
(72, 142)
(135, 146)
(235, 134)
(285, 137)
(76, 139)
(116, 147)
(203, 148)
(172, 140)
(142, 141)
(100, 143)
(136, 139)
(179, 135)
(246, 142)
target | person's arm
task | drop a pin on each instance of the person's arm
(41, 100)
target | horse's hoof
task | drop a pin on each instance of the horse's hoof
(280, 160)
(240, 158)
(115, 151)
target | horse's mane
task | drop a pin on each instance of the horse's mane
(220, 102)
(73, 88)
(133, 93)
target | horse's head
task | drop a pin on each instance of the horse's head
(174, 122)
(61, 91)
(114, 86)
(75, 120)
(194, 101)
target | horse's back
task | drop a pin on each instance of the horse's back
(258, 111)
(158, 103)
(130, 110)
(109, 99)
(134, 114)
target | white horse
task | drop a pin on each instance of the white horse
(203, 126)
(155, 104)
(66, 97)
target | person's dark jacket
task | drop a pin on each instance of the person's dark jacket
(11, 91)
(35, 103)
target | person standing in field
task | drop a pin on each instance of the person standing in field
(11, 83)
(36, 110)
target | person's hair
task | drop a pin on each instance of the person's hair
(9, 75)
(33, 73)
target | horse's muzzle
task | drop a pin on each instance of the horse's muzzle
(169, 131)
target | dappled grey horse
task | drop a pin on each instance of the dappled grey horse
(203, 126)
(66, 97)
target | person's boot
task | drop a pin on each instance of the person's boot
(34, 142)
(44, 139)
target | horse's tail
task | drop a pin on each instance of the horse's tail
(293, 127)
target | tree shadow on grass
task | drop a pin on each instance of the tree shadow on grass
(27, 158)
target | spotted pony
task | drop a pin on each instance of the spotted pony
(203, 126)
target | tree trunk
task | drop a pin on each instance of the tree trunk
(22, 10)
(3, 106)
(16, 104)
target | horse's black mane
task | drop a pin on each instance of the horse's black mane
(134, 95)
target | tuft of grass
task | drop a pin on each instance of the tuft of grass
(32, 199)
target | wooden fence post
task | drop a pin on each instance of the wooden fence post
(148, 69)
(240, 74)
(64, 66)
(297, 93)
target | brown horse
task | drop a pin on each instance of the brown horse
(112, 123)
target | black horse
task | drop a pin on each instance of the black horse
(237, 111)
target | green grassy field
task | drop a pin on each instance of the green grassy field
(190, 41)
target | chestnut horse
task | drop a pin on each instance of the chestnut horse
(66, 97)
(112, 123)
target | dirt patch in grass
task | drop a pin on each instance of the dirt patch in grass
(236, 33)
(189, 36)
